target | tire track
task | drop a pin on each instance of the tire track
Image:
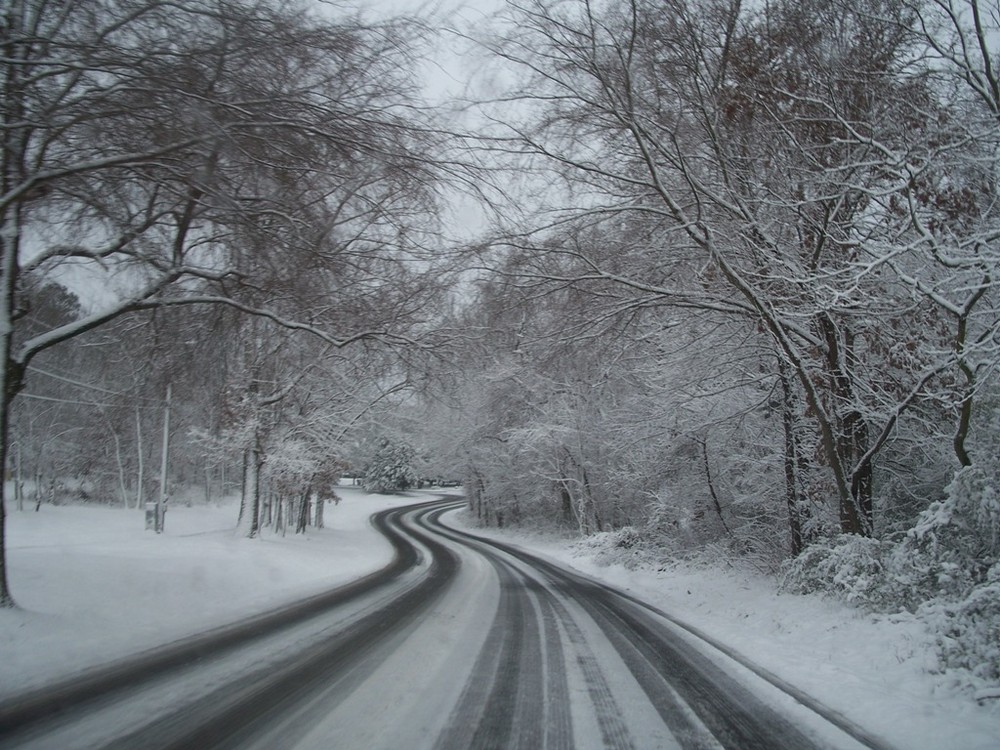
(668, 685)
(227, 723)
(702, 705)
(614, 733)
(485, 715)
(552, 630)
(679, 680)
(514, 699)
(558, 721)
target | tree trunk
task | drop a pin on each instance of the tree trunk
(965, 412)
(566, 502)
(791, 462)
(18, 481)
(249, 518)
(711, 487)
(591, 502)
(13, 150)
(256, 463)
(6, 598)
(303, 517)
(320, 503)
(244, 505)
(140, 464)
(119, 464)
(851, 439)
(480, 493)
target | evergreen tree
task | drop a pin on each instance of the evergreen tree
(390, 469)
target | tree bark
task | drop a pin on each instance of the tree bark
(249, 518)
(279, 517)
(965, 410)
(12, 159)
(140, 463)
(303, 517)
(711, 487)
(851, 430)
(791, 460)
(119, 464)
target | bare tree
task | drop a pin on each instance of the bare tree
(762, 148)
(192, 152)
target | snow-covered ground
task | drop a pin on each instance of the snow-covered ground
(94, 585)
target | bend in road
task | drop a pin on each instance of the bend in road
(460, 643)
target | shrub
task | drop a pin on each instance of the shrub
(850, 567)
(945, 569)
(968, 631)
(390, 469)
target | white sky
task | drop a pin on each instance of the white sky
(452, 67)
(447, 75)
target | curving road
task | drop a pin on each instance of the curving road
(459, 643)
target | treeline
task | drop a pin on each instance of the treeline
(753, 308)
(240, 200)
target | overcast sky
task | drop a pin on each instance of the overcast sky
(448, 72)
(447, 75)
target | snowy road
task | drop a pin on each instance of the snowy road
(459, 643)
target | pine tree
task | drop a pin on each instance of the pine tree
(390, 469)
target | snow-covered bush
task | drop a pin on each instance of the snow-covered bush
(627, 546)
(968, 630)
(627, 537)
(949, 551)
(850, 567)
(965, 526)
(950, 562)
(946, 569)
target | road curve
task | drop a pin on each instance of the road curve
(458, 643)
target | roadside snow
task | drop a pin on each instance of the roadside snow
(875, 671)
(93, 585)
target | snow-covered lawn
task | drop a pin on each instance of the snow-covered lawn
(876, 671)
(94, 585)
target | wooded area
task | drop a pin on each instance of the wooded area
(738, 299)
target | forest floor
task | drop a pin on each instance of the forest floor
(93, 586)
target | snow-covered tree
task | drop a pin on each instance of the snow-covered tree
(202, 152)
(390, 468)
(775, 166)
